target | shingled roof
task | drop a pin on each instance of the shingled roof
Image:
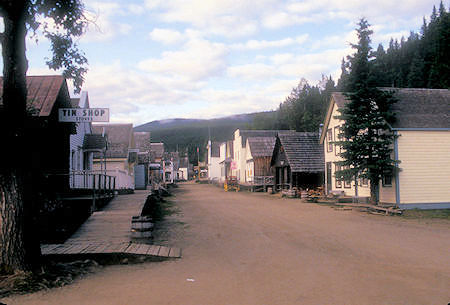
(261, 146)
(119, 138)
(415, 108)
(256, 133)
(421, 108)
(94, 142)
(43, 91)
(142, 140)
(157, 149)
(303, 151)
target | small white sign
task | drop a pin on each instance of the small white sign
(84, 115)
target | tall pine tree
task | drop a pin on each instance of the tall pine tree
(367, 141)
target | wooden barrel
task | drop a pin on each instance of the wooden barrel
(141, 223)
(140, 234)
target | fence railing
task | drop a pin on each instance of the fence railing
(115, 179)
(93, 180)
(124, 181)
(262, 180)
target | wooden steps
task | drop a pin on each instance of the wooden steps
(126, 248)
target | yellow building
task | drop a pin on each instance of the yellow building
(422, 147)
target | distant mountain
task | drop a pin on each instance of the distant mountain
(188, 134)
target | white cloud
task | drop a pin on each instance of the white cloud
(199, 59)
(263, 44)
(166, 36)
(136, 9)
(103, 25)
(290, 66)
(230, 18)
(255, 71)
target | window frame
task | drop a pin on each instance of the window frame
(337, 182)
(329, 140)
(384, 183)
(337, 136)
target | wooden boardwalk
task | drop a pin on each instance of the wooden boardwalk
(110, 248)
(109, 232)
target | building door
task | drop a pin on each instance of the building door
(328, 177)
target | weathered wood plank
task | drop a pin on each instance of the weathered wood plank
(110, 248)
(47, 248)
(132, 248)
(102, 247)
(92, 247)
(123, 247)
(143, 249)
(150, 249)
(164, 251)
(175, 252)
(78, 247)
(67, 248)
(154, 251)
(59, 250)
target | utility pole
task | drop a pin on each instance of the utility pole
(198, 164)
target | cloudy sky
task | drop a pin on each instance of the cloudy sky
(152, 60)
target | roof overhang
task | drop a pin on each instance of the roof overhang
(327, 120)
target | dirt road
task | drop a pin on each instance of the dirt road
(242, 248)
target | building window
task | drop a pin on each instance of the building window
(387, 179)
(72, 156)
(329, 140)
(337, 137)
(337, 180)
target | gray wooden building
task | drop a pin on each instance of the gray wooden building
(298, 160)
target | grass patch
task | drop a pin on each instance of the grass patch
(51, 275)
(426, 214)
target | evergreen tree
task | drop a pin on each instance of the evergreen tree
(343, 80)
(367, 143)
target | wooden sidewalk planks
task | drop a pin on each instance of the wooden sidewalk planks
(108, 232)
(164, 251)
(110, 248)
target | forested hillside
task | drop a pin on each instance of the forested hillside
(188, 134)
(420, 61)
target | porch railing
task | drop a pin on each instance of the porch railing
(93, 180)
(114, 179)
(262, 180)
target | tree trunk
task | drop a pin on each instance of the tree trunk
(18, 243)
(12, 251)
(374, 190)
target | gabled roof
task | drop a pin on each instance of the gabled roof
(261, 146)
(414, 109)
(421, 108)
(157, 149)
(303, 151)
(119, 138)
(256, 133)
(43, 91)
(94, 142)
(142, 140)
(75, 102)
